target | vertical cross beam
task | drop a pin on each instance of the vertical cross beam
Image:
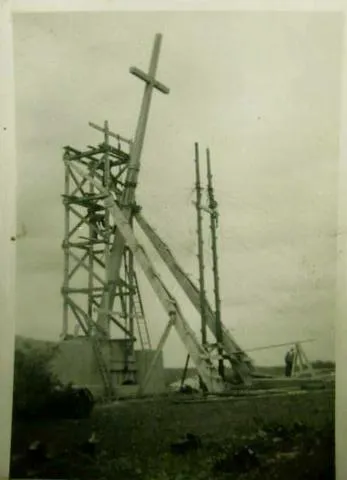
(66, 249)
(132, 174)
(136, 150)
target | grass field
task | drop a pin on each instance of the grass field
(136, 437)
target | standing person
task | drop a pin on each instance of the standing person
(289, 358)
(96, 220)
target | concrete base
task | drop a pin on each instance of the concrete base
(75, 362)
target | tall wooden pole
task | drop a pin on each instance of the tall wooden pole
(213, 226)
(128, 197)
(106, 182)
(200, 246)
(92, 235)
(203, 311)
(131, 305)
(66, 248)
(129, 274)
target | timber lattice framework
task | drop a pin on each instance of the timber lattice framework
(89, 235)
(101, 250)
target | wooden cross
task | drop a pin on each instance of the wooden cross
(128, 195)
(149, 79)
(151, 83)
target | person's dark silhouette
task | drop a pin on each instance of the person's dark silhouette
(289, 358)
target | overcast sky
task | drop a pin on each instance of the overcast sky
(262, 90)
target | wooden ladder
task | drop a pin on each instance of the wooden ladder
(141, 321)
(102, 367)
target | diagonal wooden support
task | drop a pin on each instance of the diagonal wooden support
(76, 267)
(81, 183)
(86, 267)
(191, 290)
(77, 226)
(198, 353)
(77, 183)
(77, 316)
(83, 220)
(301, 363)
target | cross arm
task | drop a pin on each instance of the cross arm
(111, 134)
(149, 80)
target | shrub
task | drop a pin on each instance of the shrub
(33, 380)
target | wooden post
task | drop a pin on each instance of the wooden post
(131, 307)
(200, 246)
(295, 361)
(213, 226)
(106, 324)
(66, 248)
(129, 314)
(306, 364)
(200, 254)
(91, 258)
(184, 374)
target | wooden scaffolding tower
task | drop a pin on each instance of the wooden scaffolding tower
(100, 186)
(89, 233)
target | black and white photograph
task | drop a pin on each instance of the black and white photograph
(176, 244)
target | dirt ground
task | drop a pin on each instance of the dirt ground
(271, 437)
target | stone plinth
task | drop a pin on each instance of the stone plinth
(75, 362)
